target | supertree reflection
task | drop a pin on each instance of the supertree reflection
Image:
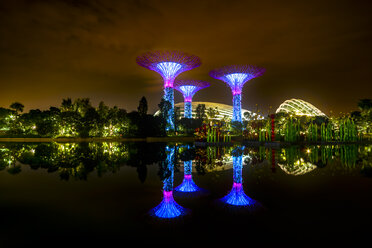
(168, 208)
(236, 196)
(188, 185)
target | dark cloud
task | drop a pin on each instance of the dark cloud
(318, 51)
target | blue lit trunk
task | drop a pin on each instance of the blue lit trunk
(237, 169)
(169, 96)
(187, 167)
(237, 108)
(168, 182)
(188, 110)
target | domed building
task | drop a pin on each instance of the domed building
(223, 110)
(299, 107)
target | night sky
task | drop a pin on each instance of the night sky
(318, 51)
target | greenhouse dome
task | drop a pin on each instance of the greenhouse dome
(299, 107)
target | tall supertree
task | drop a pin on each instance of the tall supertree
(236, 76)
(236, 196)
(188, 88)
(168, 208)
(169, 64)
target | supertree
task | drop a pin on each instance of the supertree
(236, 76)
(169, 64)
(168, 208)
(236, 196)
(188, 88)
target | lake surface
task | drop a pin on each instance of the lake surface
(106, 194)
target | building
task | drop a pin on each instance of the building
(223, 110)
(299, 107)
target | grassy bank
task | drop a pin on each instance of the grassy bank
(96, 139)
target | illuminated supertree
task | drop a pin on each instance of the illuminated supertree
(188, 88)
(168, 208)
(236, 76)
(169, 64)
(236, 196)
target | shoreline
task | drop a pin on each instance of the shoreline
(179, 139)
(96, 139)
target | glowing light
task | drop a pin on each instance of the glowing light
(236, 76)
(169, 70)
(188, 91)
(168, 182)
(187, 110)
(236, 196)
(169, 96)
(297, 168)
(188, 88)
(188, 184)
(168, 208)
(237, 108)
(169, 64)
(299, 107)
(236, 81)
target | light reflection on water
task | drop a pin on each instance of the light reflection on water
(78, 160)
(181, 181)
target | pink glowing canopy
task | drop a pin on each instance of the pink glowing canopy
(189, 87)
(237, 75)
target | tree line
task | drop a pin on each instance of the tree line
(79, 118)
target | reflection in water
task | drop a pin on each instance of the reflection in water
(78, 160)
(168, 208)
(296, 160)
(188, 185)
(292, 163)
(237, 197)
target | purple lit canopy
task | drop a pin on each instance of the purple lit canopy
(169, 64)
(189, 87)
(237, 75)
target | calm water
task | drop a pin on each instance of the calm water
(91, 194)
